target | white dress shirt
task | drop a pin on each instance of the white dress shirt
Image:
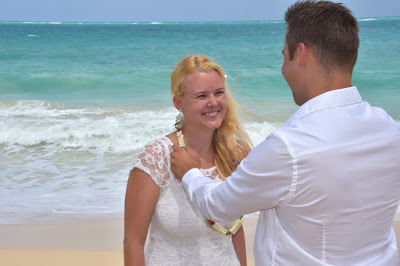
(327, 185)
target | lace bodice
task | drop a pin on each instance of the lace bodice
(179, 234)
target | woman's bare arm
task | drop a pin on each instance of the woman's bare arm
(239, 244)
(140, 201)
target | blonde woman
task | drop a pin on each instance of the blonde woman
(155, 200)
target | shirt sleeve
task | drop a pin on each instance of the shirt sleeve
(262, 180)
(153, 160)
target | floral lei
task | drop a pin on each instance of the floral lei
(235, 227)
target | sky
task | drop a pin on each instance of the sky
(171, 10)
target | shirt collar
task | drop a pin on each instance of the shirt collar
(329, 99)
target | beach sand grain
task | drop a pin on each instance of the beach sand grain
(97, 243)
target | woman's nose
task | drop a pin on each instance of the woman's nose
(212, 101)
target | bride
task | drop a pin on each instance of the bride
(155, 200)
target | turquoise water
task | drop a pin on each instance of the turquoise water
(79, 100)
(130, 64)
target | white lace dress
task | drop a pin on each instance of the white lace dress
(179, 234)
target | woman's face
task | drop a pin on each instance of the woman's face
(204, 101)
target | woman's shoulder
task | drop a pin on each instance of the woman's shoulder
(154, 159)
(158, 145)
(171, 138)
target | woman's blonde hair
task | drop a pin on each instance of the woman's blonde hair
(230, 142)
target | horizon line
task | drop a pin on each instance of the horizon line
(161, 22)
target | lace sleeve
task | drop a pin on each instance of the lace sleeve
(153, 161)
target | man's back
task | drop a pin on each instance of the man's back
(347, 180)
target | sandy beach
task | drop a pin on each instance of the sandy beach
(85, 243)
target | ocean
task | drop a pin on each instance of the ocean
(79, 100)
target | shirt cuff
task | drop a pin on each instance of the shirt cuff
(189, 176)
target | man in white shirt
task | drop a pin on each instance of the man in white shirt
(327, 184)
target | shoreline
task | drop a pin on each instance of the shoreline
(86, 243)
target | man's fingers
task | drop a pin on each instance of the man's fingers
(176, 147)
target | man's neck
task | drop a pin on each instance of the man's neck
(327, 82)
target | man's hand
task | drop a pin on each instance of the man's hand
(182, 161)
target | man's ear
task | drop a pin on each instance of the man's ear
(301, 54)
(177, 102)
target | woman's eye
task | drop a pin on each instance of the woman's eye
(201, 96)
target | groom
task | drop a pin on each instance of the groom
(327, 184)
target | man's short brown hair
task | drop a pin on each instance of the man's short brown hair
(328, 28)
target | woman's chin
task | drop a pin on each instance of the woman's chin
(213, 126)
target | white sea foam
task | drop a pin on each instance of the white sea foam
(117, 130)
(367, 19)
(44, 124)
(62, 163)
(59, 159)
